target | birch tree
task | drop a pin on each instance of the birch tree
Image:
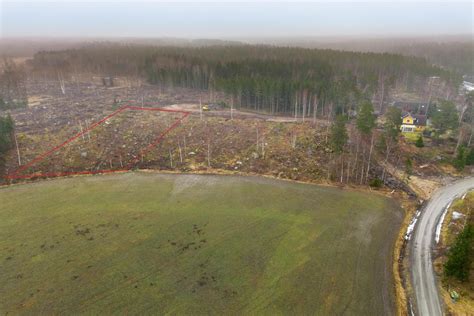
(365, 123)
(391, 131)
(338, 140)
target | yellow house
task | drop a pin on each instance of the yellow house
(413, 123)
(408, 119)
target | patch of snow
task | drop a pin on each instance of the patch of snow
(457, 215)
(440, 224)
(469, 86)
(464, 196)
(412, 224)
(412, 313)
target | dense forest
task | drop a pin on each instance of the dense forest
(278, 80)
(458, 56)
(450, 52)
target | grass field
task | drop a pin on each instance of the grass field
(141, 243)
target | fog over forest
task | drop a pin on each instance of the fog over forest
(453, 51)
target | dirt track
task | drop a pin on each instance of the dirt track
(194, 109)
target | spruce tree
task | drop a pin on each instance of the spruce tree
(339, 134)
(460, 160)
(419, 142)
(459, 256)
(470, 157)
(365, 118)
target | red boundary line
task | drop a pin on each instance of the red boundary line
(15, 174)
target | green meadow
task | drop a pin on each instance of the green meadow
(144, 243)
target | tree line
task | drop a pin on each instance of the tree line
(277, 80)
(282, 80)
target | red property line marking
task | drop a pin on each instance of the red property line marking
(15, 174)
(157, 140)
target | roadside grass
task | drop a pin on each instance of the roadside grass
(187, 244)
(402, 284)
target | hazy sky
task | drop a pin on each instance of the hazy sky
(227, 20)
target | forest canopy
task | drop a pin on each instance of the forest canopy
(263, 78)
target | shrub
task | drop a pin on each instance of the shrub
(223, 104)
(408, 167)
(11, 105)
(376, 183)
(419, 142)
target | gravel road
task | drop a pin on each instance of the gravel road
(428, 301)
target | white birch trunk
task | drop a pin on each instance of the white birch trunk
(370, 155)
(17, 150)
